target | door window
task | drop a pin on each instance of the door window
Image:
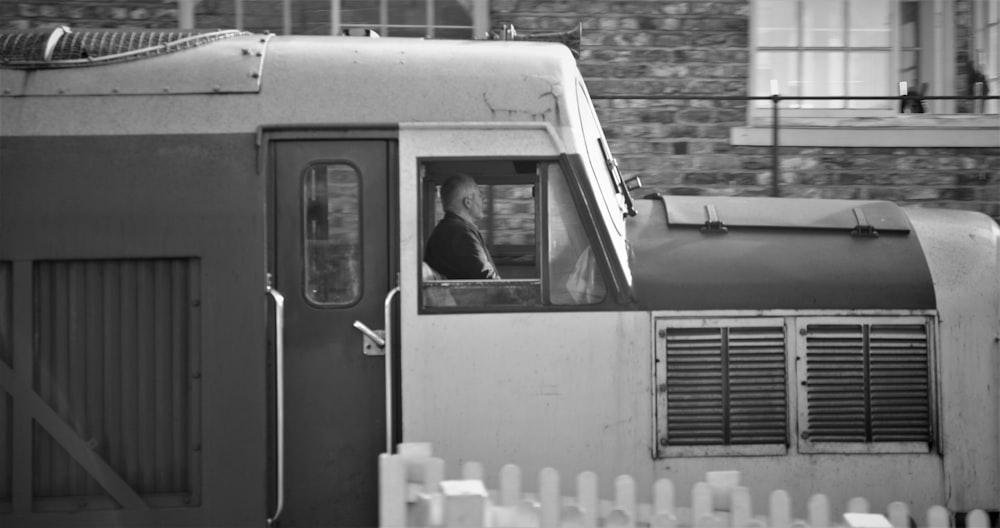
(331, 230)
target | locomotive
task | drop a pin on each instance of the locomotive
(214, 310)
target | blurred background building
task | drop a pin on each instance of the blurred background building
(671, 81)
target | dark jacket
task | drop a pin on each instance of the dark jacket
(456, 250)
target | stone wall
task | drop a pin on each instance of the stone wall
(657, 48)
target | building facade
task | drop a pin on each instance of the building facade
(672, 81)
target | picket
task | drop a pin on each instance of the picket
(413, 492)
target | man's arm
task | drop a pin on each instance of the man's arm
(471, 258)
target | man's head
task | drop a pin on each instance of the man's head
(460, 195)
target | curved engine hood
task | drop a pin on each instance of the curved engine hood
(713, 252)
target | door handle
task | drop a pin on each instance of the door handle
(374, 344)
(388, 366)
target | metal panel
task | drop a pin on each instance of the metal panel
(866, 385)
(722, 387)
(233, 64)
(762, 268)
(115, 358)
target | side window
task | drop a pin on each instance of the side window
(331, 231)
(531, 231)
(574, 277)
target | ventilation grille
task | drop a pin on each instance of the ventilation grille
(726, 386)
(62, 47)
(116, 354)
(867, 383)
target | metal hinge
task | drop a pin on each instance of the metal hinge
(713, 224)
(863, 229)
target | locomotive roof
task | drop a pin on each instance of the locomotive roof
(257, 79)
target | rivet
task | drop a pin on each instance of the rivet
(663, 333)
(663, 442)
(246, 51)
(255, 74)
(802, 331)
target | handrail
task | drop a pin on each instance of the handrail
(279, 375)
(776, 100)
(388, 368)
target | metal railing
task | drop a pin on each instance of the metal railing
(776, 101)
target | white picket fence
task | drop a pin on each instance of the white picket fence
(413, 492)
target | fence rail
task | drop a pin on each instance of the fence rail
(413, 491)
(777, 99)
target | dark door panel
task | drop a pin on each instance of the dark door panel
(331, 263)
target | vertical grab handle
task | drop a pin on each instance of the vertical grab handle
(388, 368)
(279, 387)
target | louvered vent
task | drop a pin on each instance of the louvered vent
(835, 368)
(757, 386)
(867, 383)
(115, 350)
(725, 386)
(695, 410)
(900, 383)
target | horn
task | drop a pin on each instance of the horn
(572, 38)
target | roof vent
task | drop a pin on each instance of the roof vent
(62, 47)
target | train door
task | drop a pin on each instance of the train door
(332, 264)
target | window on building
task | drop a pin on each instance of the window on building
(869, 48)
(532, 230)
(456, 19)
(331, 196)
(984, 70)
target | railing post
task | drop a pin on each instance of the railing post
(775, 168)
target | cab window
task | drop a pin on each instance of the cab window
(531, 229)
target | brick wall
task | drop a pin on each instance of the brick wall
(699, 47)
(655, 47)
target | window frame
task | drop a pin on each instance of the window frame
(478, 10)
(304, 238)
(427, 201)
(936, 40)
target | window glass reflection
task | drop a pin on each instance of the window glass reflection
(332, 232)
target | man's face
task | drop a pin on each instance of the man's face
(475, 203)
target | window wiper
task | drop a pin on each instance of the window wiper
(624, 187)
